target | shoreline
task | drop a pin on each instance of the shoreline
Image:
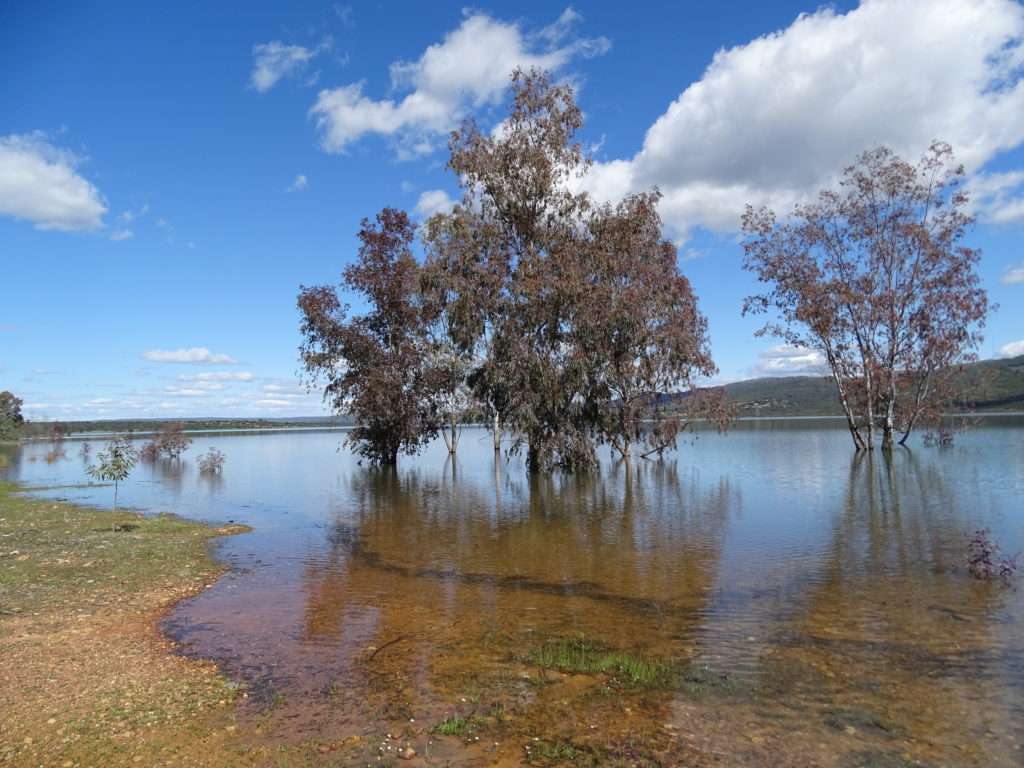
(90, 677)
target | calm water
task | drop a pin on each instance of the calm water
(812, 606)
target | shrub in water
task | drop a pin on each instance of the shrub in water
(211, 462)
(986, 562)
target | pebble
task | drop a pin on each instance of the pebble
(407, 754)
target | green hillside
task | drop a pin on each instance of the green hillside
(988, 385)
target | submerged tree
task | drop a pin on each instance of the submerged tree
(566, 325)
(873, 276)
(516, 185)
(640, 331)
(172, 440)
(10, 415)
(463, 295)
(115, 463)
(574, 322)
(375, 366)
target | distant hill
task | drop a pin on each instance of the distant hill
(148, 426)
(988, 385)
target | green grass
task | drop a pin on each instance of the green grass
(580, 656)
(456, 725)
(60, 554)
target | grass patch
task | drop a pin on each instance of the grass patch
(580, 656)
(83, 664)
(456, 725)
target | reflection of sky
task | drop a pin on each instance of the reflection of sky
(782, 488)
(730, 550)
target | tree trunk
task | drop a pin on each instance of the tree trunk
(455, 434)
(496, 429)
(532, 459)
(889, 426)
(113, 522)
(851, 422)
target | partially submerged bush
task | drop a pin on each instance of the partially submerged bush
(212, 462)
(173, 441)
(986, 562)
(149, 452)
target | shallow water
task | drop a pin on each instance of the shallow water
(800, 605)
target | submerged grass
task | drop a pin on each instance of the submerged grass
(580, 656)
(456, 725)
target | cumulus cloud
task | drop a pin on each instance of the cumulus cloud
(469, 69)
(193, 355)
(299, 184)
(998, 198)
(1013, 349)
(433, 201)
(40, 183)
(774, 120)
(787, 360)
(121, 234)
(1013, 275)
(274, 61)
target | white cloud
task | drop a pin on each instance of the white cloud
(1013, 349)
(433, 201)
(185, 392)
(787, 360)
(998, 197)
(274, 61)
(774, 120)
(1013, 275)
(194, 355)
(272, 403)
(299, 184)
(39, 183)
(216, 376)
(469, 69)
(122, 234)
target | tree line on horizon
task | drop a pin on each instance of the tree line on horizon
(569, 323)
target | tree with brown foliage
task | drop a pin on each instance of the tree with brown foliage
(577, 320)
(641, 333)
(172, 440)
(375, 366)
(463, 293)
(873, 275)
(515, 183)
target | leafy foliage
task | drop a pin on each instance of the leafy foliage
(375, 365)
(115, 463)
(10, 414)
(212, 462)
(873, 276)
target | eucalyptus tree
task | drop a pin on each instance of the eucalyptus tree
(115, 463)
(873, 276)
(375, 366)
(516, 189)
(10, 414)
(642, 333)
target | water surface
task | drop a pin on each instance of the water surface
(800, 604)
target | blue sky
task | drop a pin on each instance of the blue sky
(170, 174)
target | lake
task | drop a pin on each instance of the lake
(765, 597)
